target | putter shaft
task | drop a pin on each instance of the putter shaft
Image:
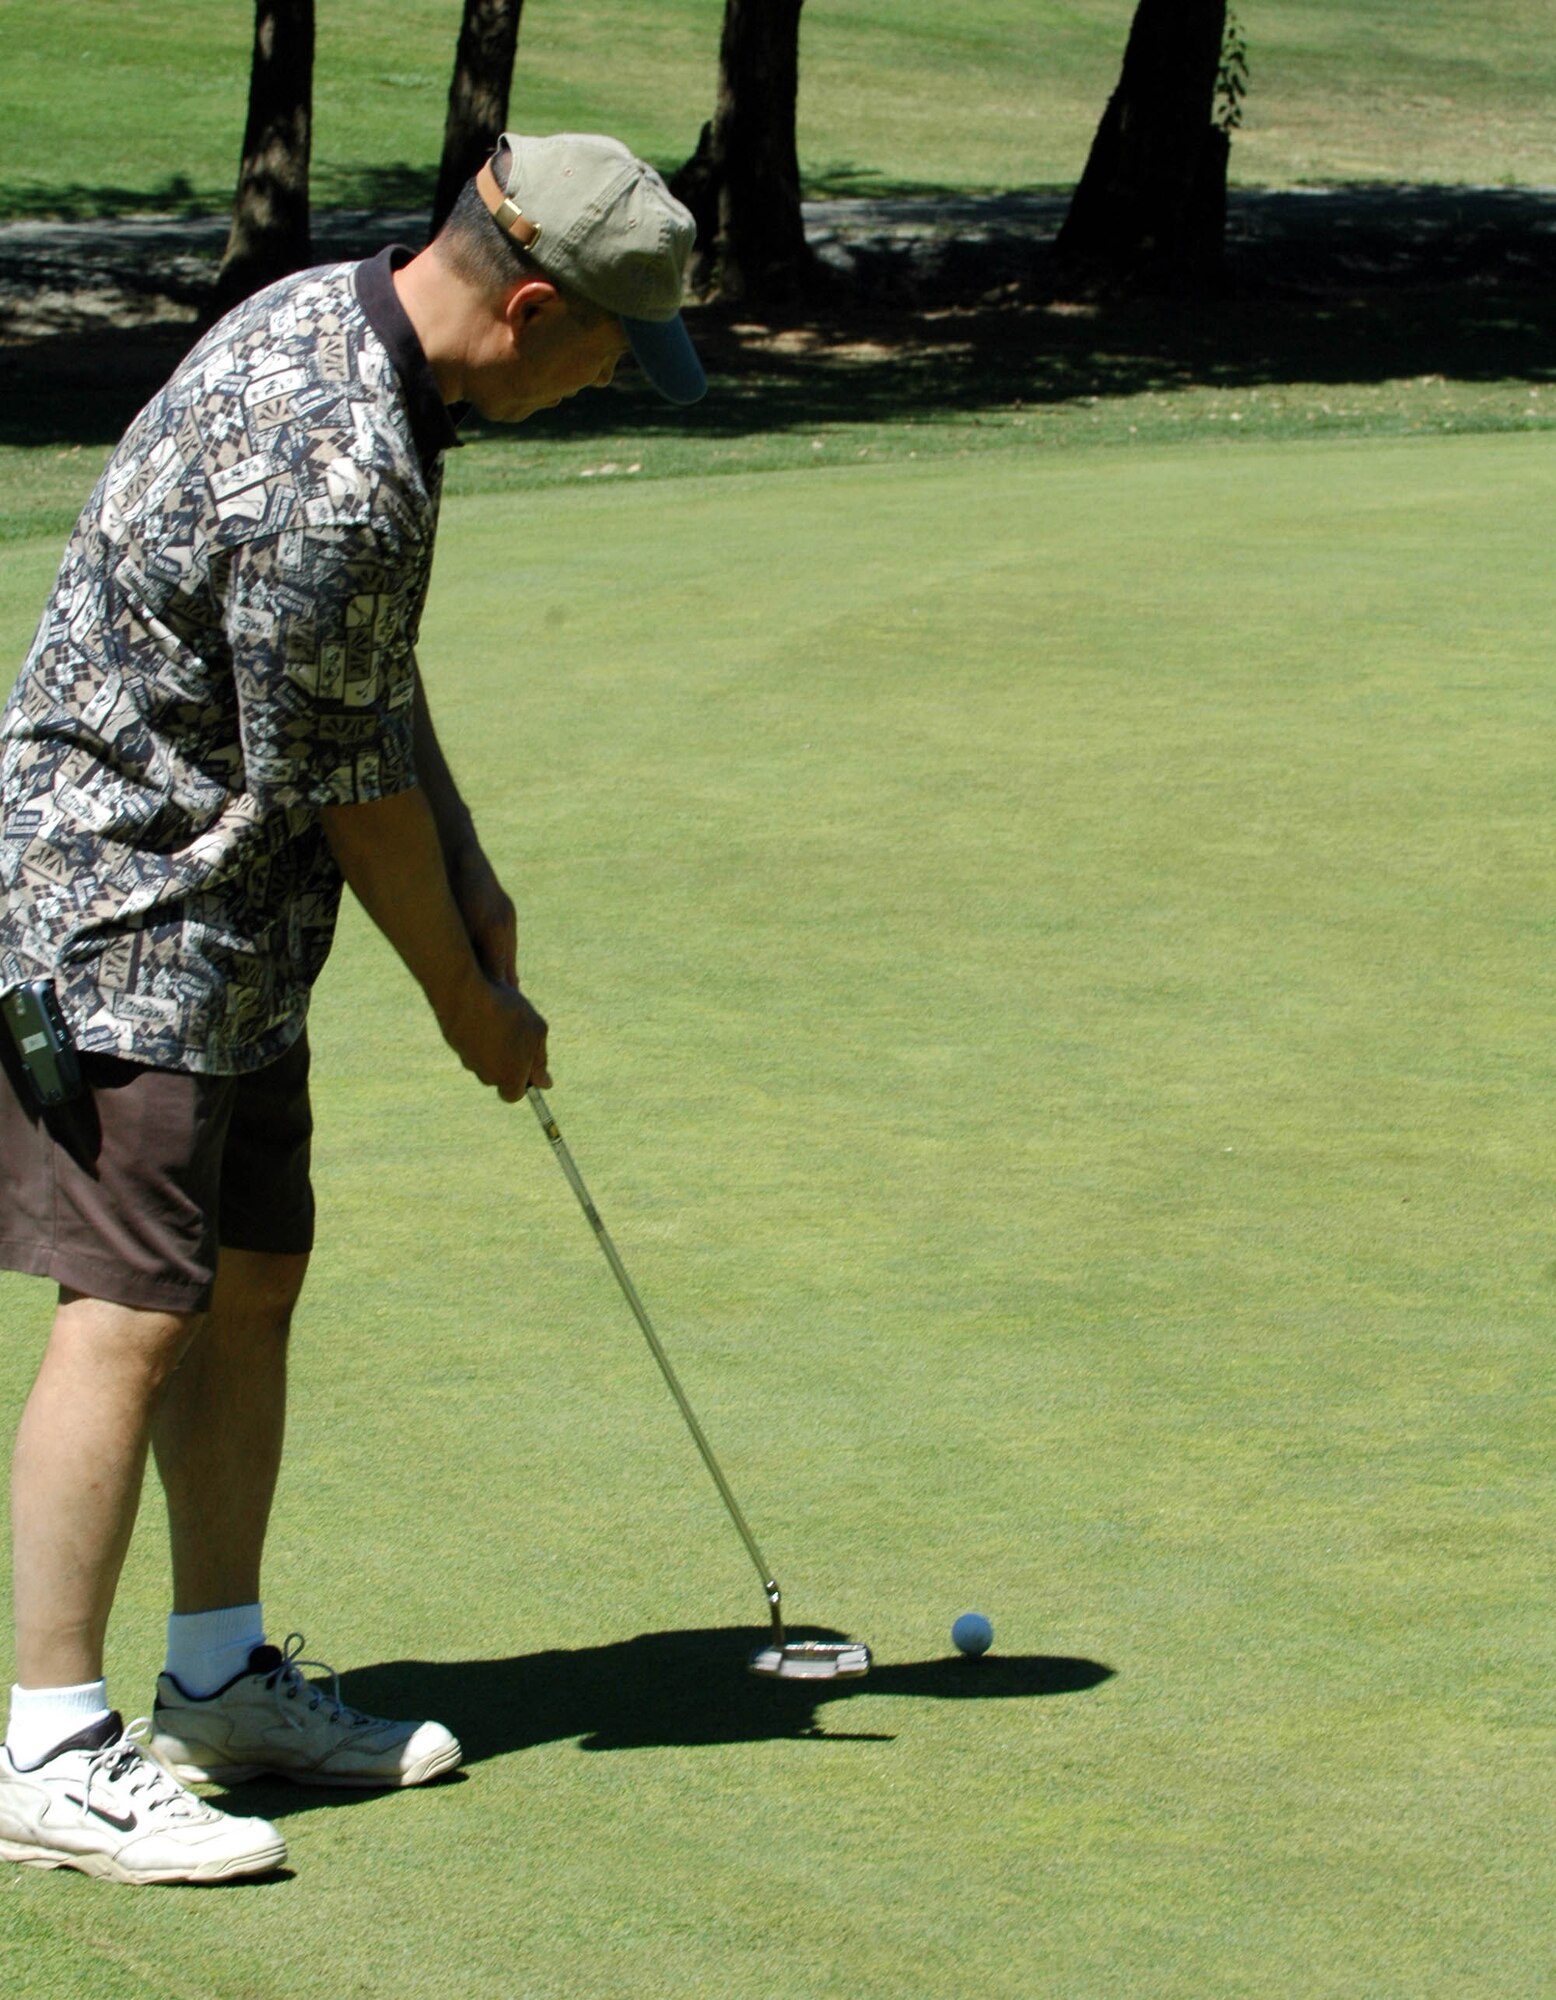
(575, 1181)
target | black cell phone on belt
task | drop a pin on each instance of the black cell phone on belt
(42, 1040)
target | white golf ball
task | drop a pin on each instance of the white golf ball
(972, 1633)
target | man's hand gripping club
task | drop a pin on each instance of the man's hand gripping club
(391, 856)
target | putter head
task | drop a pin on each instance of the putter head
(812, 1660)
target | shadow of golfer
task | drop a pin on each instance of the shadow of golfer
(659, 1690)
(674, 1688)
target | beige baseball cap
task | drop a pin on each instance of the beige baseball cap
(603, 224)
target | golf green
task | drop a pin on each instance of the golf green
(1049, 959)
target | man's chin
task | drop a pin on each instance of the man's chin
(507, 414)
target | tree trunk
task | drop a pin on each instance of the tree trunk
(269, 235)
(477, 96)
(1150, 209)
(743, 181)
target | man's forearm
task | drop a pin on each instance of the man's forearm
(484, 906)
(456, 829)
(391, 854)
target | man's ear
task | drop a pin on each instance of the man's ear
(525, 302)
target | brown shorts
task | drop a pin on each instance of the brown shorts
(127, 1194)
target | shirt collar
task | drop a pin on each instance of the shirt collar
(432, 427)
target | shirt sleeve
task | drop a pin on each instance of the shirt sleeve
(322, 624)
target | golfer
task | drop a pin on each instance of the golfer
(221, 718)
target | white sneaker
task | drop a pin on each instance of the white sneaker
(271, 1720)
(104, 1804)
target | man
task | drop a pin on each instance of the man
(220, 719)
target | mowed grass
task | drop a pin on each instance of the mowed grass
(895, 94)
(1050, 968)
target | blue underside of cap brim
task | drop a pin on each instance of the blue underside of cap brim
(664, 352)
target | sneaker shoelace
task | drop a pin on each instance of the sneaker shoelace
(288, 1684)
(130, 1763)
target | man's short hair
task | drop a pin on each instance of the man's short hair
(488, 258)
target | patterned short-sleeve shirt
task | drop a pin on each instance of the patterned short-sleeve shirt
(228, 648)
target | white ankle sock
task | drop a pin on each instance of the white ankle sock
(43, 1718)
(206, 1649)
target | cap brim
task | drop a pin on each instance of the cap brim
(663, 350)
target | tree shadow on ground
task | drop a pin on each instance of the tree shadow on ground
(1350, 286)
(832, 179)
(664, 1690)
(25, 199)
(1354, 286)
(966, 360)
(882, 365)
(387, 184)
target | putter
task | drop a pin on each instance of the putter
(780, 1659)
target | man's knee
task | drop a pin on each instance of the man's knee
(117, 1341)
(258, 1286)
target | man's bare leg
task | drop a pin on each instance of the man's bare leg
(218, 1439)
(218, 1431)
(87, 1795)
(76, 1478)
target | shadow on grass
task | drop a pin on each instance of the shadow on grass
(387, 184)
(82, 388)
(28, 200)
(661, 1690)
(674, 1688)
(850, 181)
(917, 368)
(1351, 287)
(393, 184)
(898, 366)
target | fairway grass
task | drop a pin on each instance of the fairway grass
(1049, 962)
(895, 95)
